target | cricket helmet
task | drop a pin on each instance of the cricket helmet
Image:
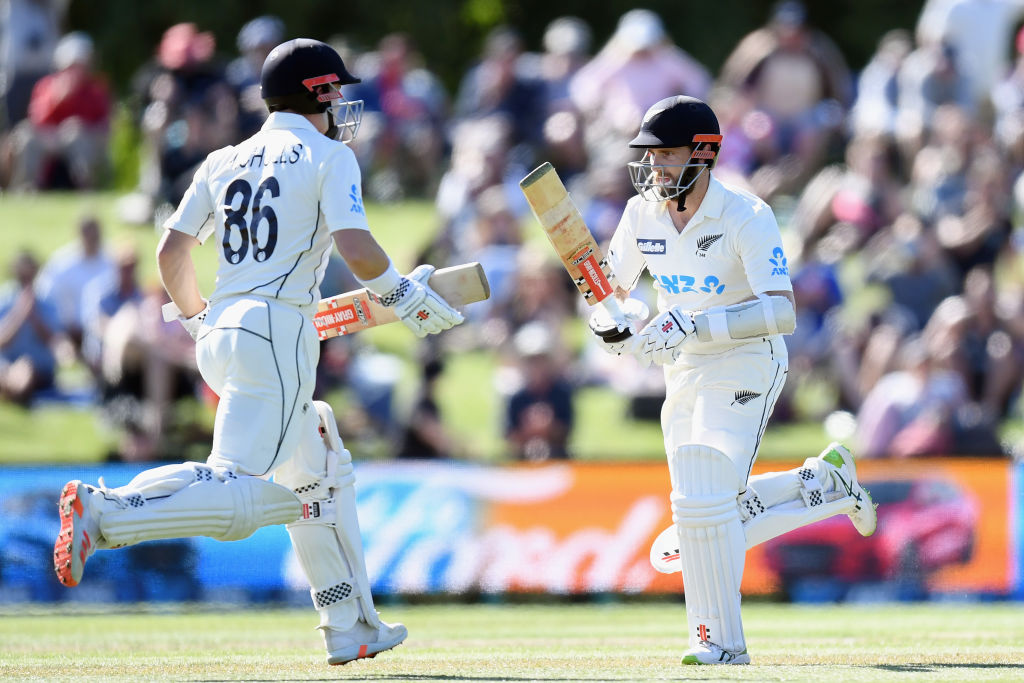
(678, 121)
(306, 76)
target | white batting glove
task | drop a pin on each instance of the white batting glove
(618, 336)
(662, 340)
(419, 306)
(192, 324)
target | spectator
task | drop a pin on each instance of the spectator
(798, 78)
(539, 415)
(961, 25)
(910, 411)
(255, 41)
(928, 79)
(103, 298)
(874, 110)
(566, 50)
(64, 141)
(1008, 103)
(424, 434)
(28, 329)
(70, 271)
(29, 30)
(866, 194)
(496, 87)
(402, 136)
(638, 66)
(186, 109)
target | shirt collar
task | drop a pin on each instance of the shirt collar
(282, 119)
(711, 205)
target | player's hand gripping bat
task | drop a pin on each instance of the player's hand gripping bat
(574, 243)
(361, 309)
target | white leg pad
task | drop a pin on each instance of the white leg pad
(711, 543)
(193, 499)
(327, 539)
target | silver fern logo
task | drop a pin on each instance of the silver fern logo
(744, 397)
(704, 243)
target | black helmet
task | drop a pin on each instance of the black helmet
(676, 122)
(296, 72)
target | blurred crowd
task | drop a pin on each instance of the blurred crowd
(898, 189)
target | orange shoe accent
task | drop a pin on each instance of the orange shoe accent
(62, 548)
(362, 651)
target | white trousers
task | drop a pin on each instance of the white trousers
(260, 357)
(723, 401)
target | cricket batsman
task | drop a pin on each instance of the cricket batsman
(725, 302)
(274, 203)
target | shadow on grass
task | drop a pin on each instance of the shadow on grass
(924, 668)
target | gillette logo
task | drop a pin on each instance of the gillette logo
(651, 246)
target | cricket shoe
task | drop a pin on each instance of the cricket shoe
(844, 472)
(362, 641)
(79, 532)
(709, 653)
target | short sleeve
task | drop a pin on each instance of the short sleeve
(764, 261)
(625, 259)
(195, 212)
(341, 194)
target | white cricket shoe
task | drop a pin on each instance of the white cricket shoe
(79, 532)
(362, 641)
(709, 653)
(844, 472)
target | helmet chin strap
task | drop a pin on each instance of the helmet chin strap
(332, 128)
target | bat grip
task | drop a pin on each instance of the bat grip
(612, 308)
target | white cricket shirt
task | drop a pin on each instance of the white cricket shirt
(272, 202)
(730, 250)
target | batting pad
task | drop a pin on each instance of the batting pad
(192, 499)
(712, 545)
(327, 540)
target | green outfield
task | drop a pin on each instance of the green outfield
(518, 643)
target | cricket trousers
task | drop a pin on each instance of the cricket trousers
(723, 400)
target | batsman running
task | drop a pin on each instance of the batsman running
(725, 302)
(274, 203)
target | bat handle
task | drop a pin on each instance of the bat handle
(612, 308)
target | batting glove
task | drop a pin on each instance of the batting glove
(419, 306)
(618, 336)
(192, 324)
(662, 340)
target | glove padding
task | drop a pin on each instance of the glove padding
(618, 336)
(420, 307)
(662, 340)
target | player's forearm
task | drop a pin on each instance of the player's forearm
(367, 260)
(178, 273)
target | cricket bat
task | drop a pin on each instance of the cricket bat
(361, 309)
(571, 238)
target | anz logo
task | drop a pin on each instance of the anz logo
(357, 201)
(780, 266)
(685, 284)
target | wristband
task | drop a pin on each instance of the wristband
(385, 283)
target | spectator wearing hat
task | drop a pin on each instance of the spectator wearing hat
(539, 415)
(638, 66)
(255, 41)
(63, 143)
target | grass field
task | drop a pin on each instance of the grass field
(519, 643)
